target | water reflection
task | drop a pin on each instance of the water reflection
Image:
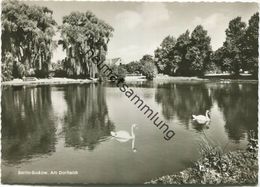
(238, 103)
(86, 122)
(65, 125)
(183, 100)
(35, 119)
(199, 127)
(27, 123)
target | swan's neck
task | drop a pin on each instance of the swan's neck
(132, 132)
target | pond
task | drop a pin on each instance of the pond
(67, 128)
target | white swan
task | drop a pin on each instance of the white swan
(202, 119)
(124, 136)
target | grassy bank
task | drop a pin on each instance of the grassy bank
(51, 81)
(57, 81)
(164, 78)
(238, 167)
(210, 77)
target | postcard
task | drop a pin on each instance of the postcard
(129, 92)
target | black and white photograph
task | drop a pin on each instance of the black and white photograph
(129, 92)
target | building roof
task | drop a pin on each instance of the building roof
(114, 60)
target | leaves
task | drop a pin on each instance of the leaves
(186, 56)
(27, 33)
(85, 39)
(148, 67)
(240, 50)
(238, 167)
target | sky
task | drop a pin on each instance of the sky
(140, 27)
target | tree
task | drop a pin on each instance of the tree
(148, 67)
(221, 60)
(186, 56)
(198, 54)
(251, 45)
(27, 33)
(58, 69)
(240, 50)
(133, 67)
(7, 67)
(164, 56)
(180, 50)
(85, 39)
(119, 70)
(233, 45)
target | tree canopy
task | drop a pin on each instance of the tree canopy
(188, 55)
(27, 39)
(198, 54)
(192, 55)
(251, 43)
(240, 49)
(148, 67)
(233, 44)
(85, 39)
(27, 46)
(164, 58)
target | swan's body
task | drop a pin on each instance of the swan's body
(124, 136)
(121, 136)
(202, 119)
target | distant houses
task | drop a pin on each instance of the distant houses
(114, 61)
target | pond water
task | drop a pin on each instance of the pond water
(67, 127)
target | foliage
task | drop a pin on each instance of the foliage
(221, 60)
(191, 55)
(133, 67)
(118, 70)
(145, 66)
(7, 67)
(58, 69)
(181, 48)
(27, 45)
(240, 50)
(27, 33)
(233, 44)
(164, 56)
(121, 72)
(239, 167)
(198, 55)
(186, 56)
(85, 39)
(148, 67)
(251, 45)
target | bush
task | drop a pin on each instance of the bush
(215, 167)
(7, 67)
(148, 70)
(41, 73)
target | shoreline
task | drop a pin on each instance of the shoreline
(46, 81)
(61, 81)
(239, 163)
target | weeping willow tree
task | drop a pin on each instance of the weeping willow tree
(84, 37)
(27, 43)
